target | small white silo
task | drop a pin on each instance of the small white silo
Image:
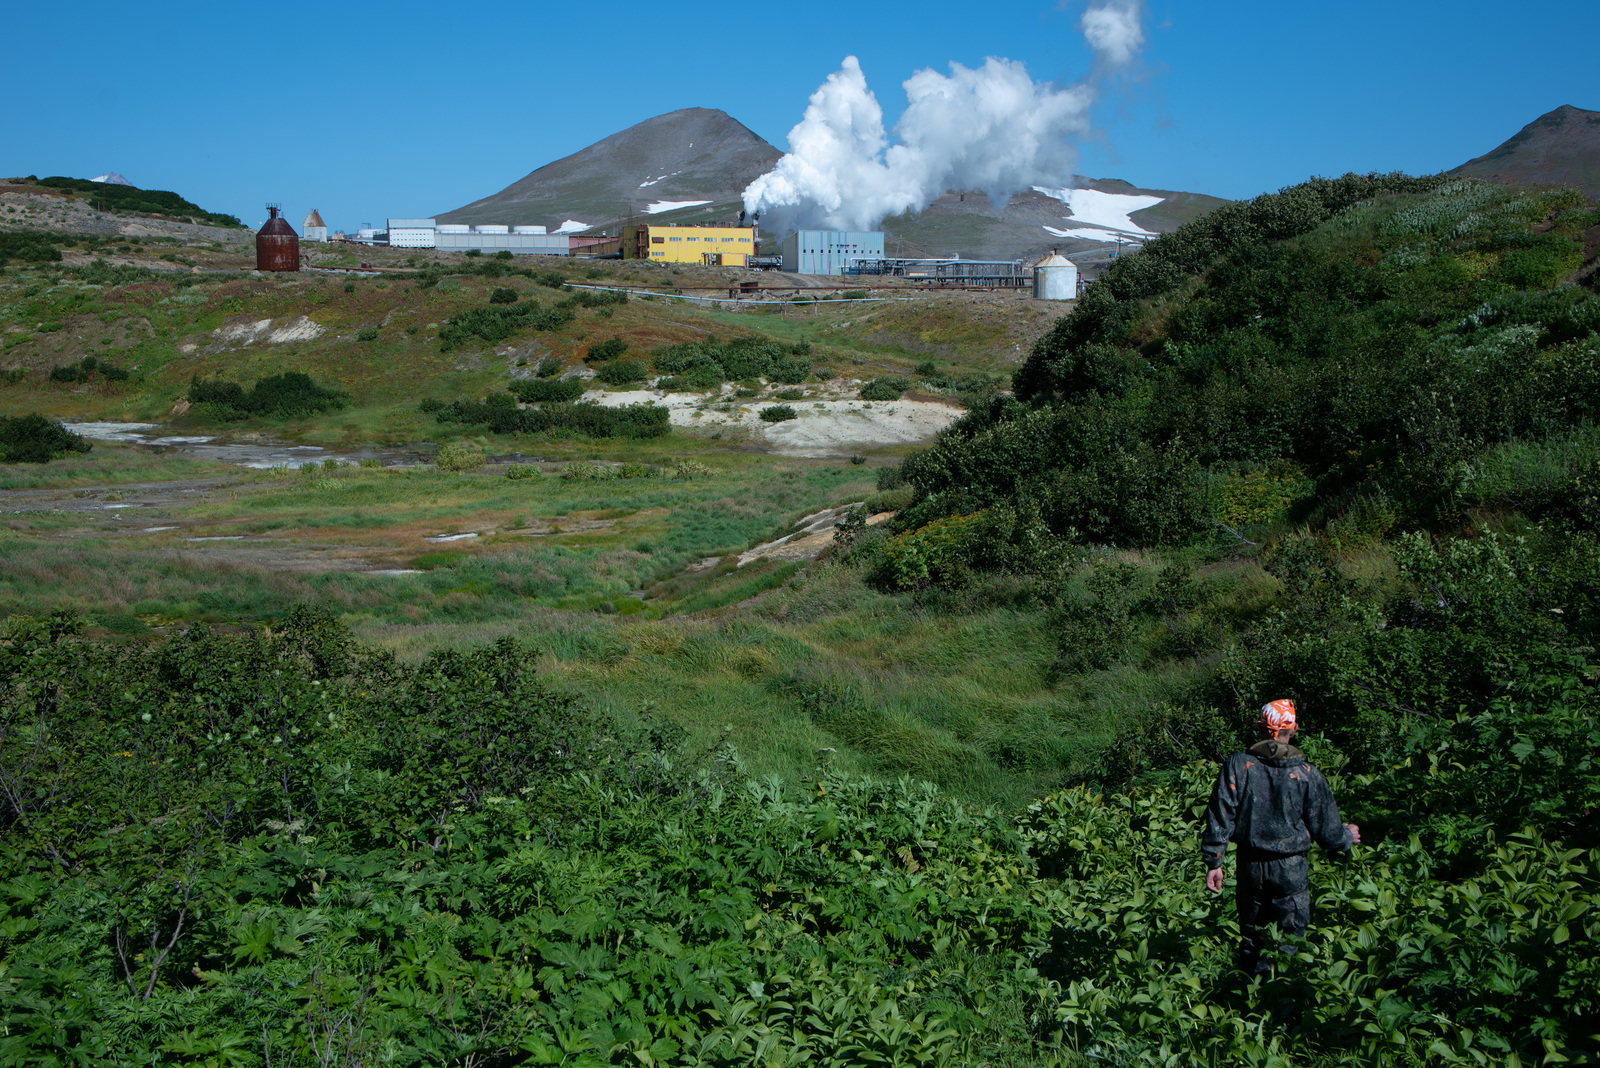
(1055, 278)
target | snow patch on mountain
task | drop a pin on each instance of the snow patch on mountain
(1110, 210)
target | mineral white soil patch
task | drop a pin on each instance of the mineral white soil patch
(828, 425)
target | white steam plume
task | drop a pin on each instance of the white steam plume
(1113, 31)
(992, 128)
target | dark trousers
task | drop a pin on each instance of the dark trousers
(1273, 890)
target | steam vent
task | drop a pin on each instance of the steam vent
(277, 245)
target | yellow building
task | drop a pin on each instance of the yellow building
(712, 246)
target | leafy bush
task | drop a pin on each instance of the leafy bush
(460, 456)
(429, 405)
(29, 246)
(33, 439)
(548, 367)
(601, 351)
(501, 295)
(498, 323)
(367, 333)
(778, 413)
(709, 363)
(622, 372)
(626, 421)
(790, 394)
(520, 472)
(535, 391)
(287, 395)
(885, 388)
(604, 299)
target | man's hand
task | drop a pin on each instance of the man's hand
(1214, 880)
(1355, 833)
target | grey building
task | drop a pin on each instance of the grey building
(492, 239)
(829, 251)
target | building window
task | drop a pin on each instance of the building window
(658, 240)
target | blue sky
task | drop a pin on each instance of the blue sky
(367, 110)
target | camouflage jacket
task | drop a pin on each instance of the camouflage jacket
(1273, 804)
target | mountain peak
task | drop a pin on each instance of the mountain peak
(1560, 147)
(693, 154)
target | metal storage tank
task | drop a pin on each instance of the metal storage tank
(1055, 278)
(277, 245)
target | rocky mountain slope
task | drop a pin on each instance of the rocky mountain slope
(1560, 147)
(697, 154)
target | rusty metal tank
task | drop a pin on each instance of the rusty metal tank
(277, 245)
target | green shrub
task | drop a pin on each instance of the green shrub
(790, 394)
(885, 388)
(499, 322)
(637, 470)
(367, 333)
(33, 439)
(535, 391)
(283, 396)
(460, 456)
(502, 295)
(601, 351)
(709, 363)
(689, 470)
(778, 413)
(349, 287)
(519, 472)
(622, 372)
(29, 246)
(548, 367)
(598, 421)
(894, 500)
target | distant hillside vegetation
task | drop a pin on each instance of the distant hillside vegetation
(1369, 346)
(130, 198)
(1561, 147)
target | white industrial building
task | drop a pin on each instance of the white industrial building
(411, 233)
(829, 251)
(313, 229)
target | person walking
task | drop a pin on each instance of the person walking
(1274, 804)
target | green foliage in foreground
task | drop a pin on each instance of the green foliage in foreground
(267, 842)
(33, 439)
(281, 396)
(276, 845)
